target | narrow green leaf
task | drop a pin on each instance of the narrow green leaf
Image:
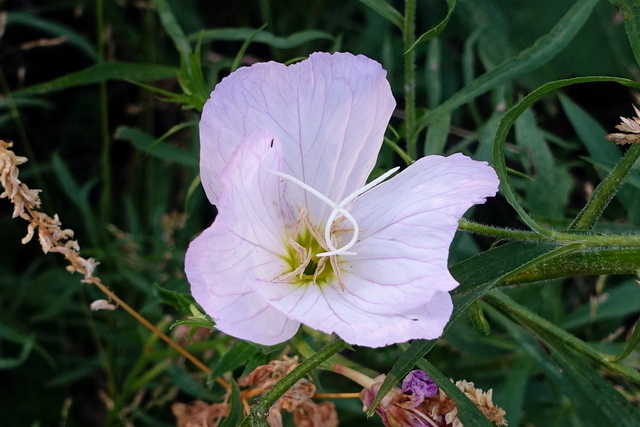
(507, 122)
(437, 135)
(13, 362)
(419, 348)
(543, 327)
(631, 344)
(147, 144)
(478, 320)
(497, 261)
(73, 38)
(600, 394)
(238, 355)
(435, 31)
(79, 196)
(184, 380)
(10, 101)
(194, 322)
(607, 189)
(512, 397)
(548, 194)
(172, 28)
(615, 303)
(179, 300)
(77, 372)
(242, 34)
(536, 351)
(630, 10)
(386, 11)
(541, 52)
(238, 59)
(236, 409)
(590, 132)
(103, 72)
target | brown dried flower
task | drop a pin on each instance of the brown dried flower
(420, 403)
(199, 413)
(297, 400)
(26, 203)
(632, 126)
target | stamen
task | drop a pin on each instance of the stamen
(338, 209)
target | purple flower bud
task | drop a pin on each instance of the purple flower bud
(418, 385)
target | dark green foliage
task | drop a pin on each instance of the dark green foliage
(109, 125)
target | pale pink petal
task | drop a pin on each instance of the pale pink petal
(329, 111)
(407, 225)
(240, 250)
(325, 309)
(400, 270)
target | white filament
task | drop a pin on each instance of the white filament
(338, 209)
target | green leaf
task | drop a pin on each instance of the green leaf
(77, 372)
(386, 11)
(631, 344)
(194, 322)
(27, 343)
(73, 38)
(478, 320)
(544, 328)
(9, 101)
(419, 348)
(593, 395)
(606, 156)
(591, 134)
(437, 135)
(238, 355)
(103, 72)
(179, 300)
(242, 34)
(541, 52)
(172, 28)
(185, 382)
(497, 261)
(435, 31)
(238, 59)
(548, 194)
(615, 303)
(79, 196)
(513, 396)
(630, 10)
(236, 409)
(536, 351)
(509, 119)
(148, 144)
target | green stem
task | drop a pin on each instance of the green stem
(608, 188)
(257, 416)
(408, 36)
(500, 233)
(105, 155)
(399, 151)
(540, 326)
(589, 240)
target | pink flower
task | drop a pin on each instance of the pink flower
(299, 238)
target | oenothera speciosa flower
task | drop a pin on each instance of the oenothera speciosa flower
(299, 237)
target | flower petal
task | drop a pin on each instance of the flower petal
(238, 252)
(329, 111)
(325, 309)
(407, 224)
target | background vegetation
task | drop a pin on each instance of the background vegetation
(103, 97)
